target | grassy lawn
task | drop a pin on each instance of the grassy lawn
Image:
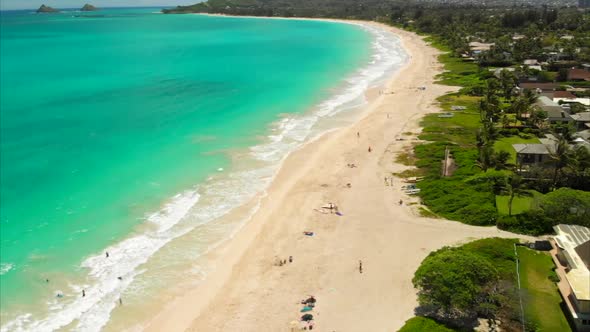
(541, 297)
(505, 144)
(519, 204)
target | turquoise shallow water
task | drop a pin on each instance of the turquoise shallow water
(105, 116)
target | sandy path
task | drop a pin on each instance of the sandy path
(248, 293)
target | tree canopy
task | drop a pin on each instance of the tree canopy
(456, 283)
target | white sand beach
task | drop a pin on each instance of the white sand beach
(248, 292)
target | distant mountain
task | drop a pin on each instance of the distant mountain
(88, 8)
(46, 9)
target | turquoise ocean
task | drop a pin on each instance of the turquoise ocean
(125, 130)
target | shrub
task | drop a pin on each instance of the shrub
(533, 222)
(423, 324)
(455, 281)
(567, 206)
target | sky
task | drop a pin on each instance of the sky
(34, 4)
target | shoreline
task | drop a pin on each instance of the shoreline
(249, 293)
(245, 209)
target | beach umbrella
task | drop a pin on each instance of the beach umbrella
(307, 317)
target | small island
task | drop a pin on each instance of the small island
(47, 9)
(88, 8)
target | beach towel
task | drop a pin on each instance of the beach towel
(306, 309)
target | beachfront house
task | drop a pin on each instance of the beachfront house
(531, 154)
(571, 255)
(555, 113)
(538, 154)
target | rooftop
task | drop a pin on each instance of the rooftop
(572, 235)
(578, 74)
(573, 240)
(546, 101)
(531, 148)
(542, 86)
(477, 46)
(563, 94)
(581, 117)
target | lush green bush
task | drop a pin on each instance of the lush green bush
(423, 324)
(455, 282)
(457, 285)
(567, 206)
(533, 222)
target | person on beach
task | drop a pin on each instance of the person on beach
(370, 149)
(120, 301)
(358, 134)
(401, 202)
(290, 259)
(106, 254)
(83, 293)
(360, 266)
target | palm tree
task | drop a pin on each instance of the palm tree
(579, 167)
(508, 82)
(560, 157)
(500, 160)
(514, 188)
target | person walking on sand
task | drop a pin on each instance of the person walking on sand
(83, 293)
(120, 301)
(360, 266)
(290, 259)
(370, 149)
(358, 134)
(401, 202)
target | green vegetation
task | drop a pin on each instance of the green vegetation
(477, 280)
(520, 204)
(541, 297)
(568, 206)
(423, 324)
(458, 285)
(459, 73)
(505, 144)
